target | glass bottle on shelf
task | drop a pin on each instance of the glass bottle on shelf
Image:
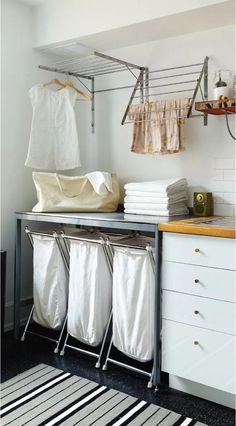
(222, 84)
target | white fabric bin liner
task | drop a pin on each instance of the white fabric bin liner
(50, 283)
(90, 290)
(133, 303)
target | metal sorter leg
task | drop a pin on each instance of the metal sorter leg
(109, 263)
(62, 353)
(27, 231)
(56, 236)
(56, 350)
(152, 260)
(98, 363)
(27, 324)
(107, 356)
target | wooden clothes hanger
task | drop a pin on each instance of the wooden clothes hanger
(54, 81)
(69, 83)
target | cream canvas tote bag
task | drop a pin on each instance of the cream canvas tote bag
(60, 193)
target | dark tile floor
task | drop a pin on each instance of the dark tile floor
(19, 356)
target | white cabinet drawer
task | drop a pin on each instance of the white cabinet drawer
(199, 250)
(203, 356)
(199, 311)
(200, 281)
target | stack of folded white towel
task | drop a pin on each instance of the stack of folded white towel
(157, 198)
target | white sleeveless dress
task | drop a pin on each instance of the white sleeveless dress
(53, 141)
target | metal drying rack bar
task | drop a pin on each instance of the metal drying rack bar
(201, 74)
(96, 65)
(91, 67)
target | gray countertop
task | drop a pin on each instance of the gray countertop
(117, 219)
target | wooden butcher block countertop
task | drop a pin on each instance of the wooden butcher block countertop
(215, 226)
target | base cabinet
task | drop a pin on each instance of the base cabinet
(203, 356)
(199, 313)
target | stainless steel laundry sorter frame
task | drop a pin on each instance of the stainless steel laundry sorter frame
(149, 250)
(111, 221)
(97, 355)
(52, 235)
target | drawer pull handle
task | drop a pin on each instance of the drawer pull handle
(197, 250)
(196, 342)
(196, 280)
(196, 312)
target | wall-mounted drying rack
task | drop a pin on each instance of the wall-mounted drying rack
(91, 67)
(99, 64)
(168, 81)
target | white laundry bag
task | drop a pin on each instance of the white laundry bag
(90, 289)
(133, 303)
(50, 283)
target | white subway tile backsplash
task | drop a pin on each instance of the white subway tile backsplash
(229, 174)
(223, 186)
(224, 198)
(224, 163)
(229, 198)
(224, 195)
(218, 197)
(224, 209)
(219, 174)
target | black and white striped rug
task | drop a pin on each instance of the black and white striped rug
(45, 395)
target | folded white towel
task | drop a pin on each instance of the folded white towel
(101, 182)
(156, 200)
(157, 213)
(162, 195)
(163, 186)
(158, 207)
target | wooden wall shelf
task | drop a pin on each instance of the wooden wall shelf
(217, 107)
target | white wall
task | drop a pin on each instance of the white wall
(203, 143)
(19, 73)
(60, 20)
